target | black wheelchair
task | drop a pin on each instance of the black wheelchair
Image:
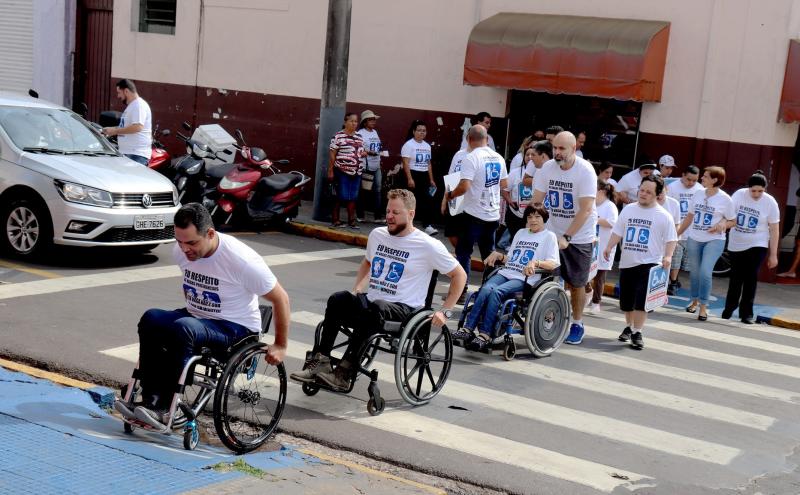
(249, 394)
(422, 357)
(539, 312)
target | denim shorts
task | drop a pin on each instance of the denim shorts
(347, 186)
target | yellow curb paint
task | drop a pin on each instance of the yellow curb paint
(47, 375)
(359, 467)
(788, 324)
(32, 271)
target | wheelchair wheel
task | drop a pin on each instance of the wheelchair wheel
(509, 350)
(191, 437)
(310, 389)
(249, 399)
(548, 319)
(340, 345)
(374, 407)
(423, 359)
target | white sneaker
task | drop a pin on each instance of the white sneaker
(589, 298)
(430, 230)
(596, 308)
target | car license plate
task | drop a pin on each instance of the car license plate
(148, 222)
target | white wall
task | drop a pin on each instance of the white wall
(53, 46)
(723, 77)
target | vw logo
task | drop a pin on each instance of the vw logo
(147, 201)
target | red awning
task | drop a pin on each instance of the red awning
(590, 56)
(789, 110)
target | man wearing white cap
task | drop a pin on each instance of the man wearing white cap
(666, 165)
(371, 165)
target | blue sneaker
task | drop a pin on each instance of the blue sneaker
(575, 334)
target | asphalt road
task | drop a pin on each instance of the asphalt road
(705, 408)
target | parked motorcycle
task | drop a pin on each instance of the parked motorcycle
(256, 190)
(192, 177)
(159, 157)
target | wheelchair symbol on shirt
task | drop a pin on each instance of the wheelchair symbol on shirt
(377, 266)
(568, 205)
(395, 272)
(644, 236)
(707, 218)
(527, 256)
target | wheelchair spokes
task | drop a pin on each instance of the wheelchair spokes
(250, 401)
(423, 360)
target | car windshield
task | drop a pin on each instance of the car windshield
(51, 130)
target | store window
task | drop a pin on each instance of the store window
(611, 126)
(157, 16)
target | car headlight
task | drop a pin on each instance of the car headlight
(226, 183)
(76, 193)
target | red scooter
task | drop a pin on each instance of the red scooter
(159, 157)
(256, 190)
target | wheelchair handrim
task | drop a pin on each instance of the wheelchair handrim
(420, 360)
(544, 332)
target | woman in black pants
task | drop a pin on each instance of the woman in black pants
(753, 234)
(416, 154)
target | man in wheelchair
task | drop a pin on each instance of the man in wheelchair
(222, 279)
(532, 248)
(396, 272)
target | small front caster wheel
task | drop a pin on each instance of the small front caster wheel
(375, 407)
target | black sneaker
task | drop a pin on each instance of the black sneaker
(637, 342)
(671, 289)
(625, 335)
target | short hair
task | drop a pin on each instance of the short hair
(404, 195)
(480, 116)
(691, 169)
(554, 129)
(538, 209)
(544, 147)
(659, 182)
(717, 173)
(126, 84)
(477, 133)
(757, 179)
(194, 214)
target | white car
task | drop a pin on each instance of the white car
(62, 182)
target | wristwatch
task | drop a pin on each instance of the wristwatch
(448, 313)
(567, 238)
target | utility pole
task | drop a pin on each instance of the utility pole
(334, 95)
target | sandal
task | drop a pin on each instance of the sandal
(463, 334)
(336, 225)
(479, 343)
(692, 308)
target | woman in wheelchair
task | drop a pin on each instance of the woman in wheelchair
(532, 248)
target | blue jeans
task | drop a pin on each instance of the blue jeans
(702, 258)
(139, 159)
(490, 298)
(168, 339)
(476, 230)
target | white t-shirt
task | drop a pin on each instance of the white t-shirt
(684, 196)
(455, 163)
(629, 184)
(372, 143)
(520, 193)
(491, 142)
(526, 247)
(753, 219)
(401, 267)
(227, 284)
(673, 208)
(516, 161)
(418, 154)
(485, 169)
(139, 143)
(564, 189)
(645, 233)
(613, 183)
(607, 211)
(707, 212)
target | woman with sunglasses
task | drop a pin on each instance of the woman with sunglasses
(753, 232)
(706, 223)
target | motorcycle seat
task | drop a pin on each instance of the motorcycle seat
(281, 182)
(219, 171)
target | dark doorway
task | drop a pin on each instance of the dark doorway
(93, 39)
(611, 126)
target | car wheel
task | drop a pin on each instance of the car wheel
(27, 230)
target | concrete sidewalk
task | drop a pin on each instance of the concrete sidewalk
(782, 309)
(57, 439)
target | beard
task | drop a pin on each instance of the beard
(396, 228)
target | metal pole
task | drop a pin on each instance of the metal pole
(334, 95)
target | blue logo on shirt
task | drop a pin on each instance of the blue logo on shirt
(492, 173)
(707, 218)
(377, 266)
(395, 272)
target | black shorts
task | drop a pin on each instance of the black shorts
(455, 226)
(633, 287)
(576, 260)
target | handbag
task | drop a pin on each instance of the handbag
(367, 180)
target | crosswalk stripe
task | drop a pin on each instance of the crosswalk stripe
(39, 287)
(460, 439)
(718, 336)
(755, 329)
(606, 387)
(705, 354)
